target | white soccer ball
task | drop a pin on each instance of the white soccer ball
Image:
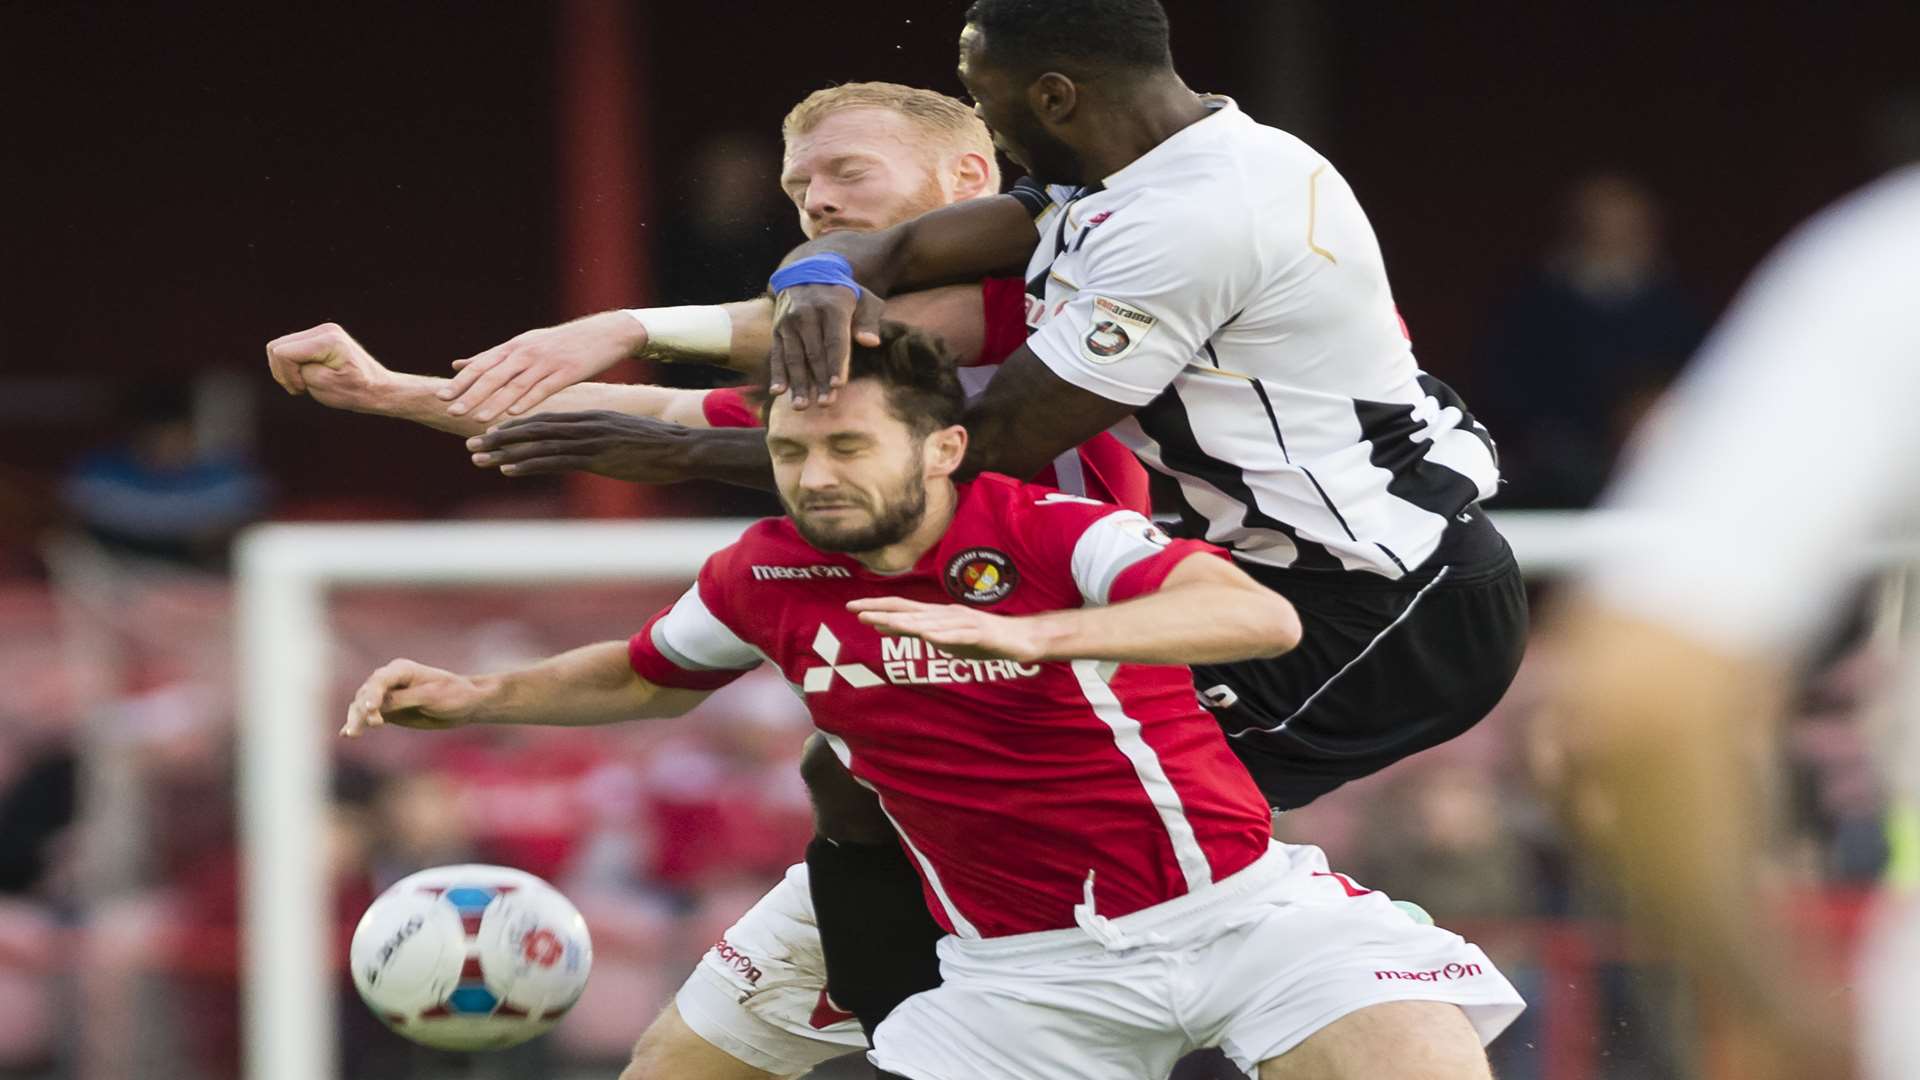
(471, 957)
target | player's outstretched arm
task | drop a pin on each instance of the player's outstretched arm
(326, 363)
(816, 320)
(515, 376)
(594, 684)
(519, 376)
(1206, 611)
(637, 449)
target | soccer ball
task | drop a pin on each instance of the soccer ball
(471, 957)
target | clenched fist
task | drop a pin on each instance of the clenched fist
(326, 363)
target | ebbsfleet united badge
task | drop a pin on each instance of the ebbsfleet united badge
(981, 575)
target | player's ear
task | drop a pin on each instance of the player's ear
(945, 449)
(972, 176)
(1052, 97)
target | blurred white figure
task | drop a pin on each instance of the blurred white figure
(1786, 449)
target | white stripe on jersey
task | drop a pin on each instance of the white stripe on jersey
(1153, 776)
(961, 926)
(1107, 548)
(691, 637)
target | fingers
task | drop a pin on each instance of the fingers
(470, 370)
(891, 603)
(487, 381)
(513, 392)
(549, 426)
(866, 321)
(554, 383)
(804, 326)
(549, 464)
(537, 458)
(287, 353)
(935, 625)
(829, 369)
(783, 355)
(365, 710)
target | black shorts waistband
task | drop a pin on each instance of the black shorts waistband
(1471, 546)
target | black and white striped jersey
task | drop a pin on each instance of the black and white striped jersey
(1228, 284)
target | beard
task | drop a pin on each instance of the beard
(891, 522)
(1046, 158)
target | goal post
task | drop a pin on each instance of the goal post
(282, 576)
(284, 573)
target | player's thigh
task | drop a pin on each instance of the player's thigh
(670, 1050)
(1407, 1040)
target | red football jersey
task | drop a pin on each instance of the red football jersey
(1019, 789)
(1101, 468)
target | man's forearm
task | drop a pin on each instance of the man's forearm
(593, 684)
(748, 337)
(964, 242)
(414, 398)
(736, 456)
(1202, 623)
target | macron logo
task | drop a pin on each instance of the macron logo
(1439, 974)
(799, 573)
(827, 647)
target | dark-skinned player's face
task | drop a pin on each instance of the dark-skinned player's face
(1000, 101)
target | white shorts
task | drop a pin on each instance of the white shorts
(760, 994)
(1253, 964)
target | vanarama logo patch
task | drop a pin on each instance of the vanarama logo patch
(981, 575)
(1118, 329)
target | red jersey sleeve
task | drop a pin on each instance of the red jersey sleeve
(727, 406)
(689, 647)
(1148, 574)
(1003, 302)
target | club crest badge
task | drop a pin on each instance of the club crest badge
(981, 575)
(1117, 330)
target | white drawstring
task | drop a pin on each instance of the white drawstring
(1101, 929)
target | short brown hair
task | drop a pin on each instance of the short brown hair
(921, 379)
(946, 123)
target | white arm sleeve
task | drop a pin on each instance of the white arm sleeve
(1791, 442)
(693, 639)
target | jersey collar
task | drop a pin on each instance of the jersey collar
(1136, 173)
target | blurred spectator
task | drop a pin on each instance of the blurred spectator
(161, 494)
(1439, 838)
(1578, 353)
(728, 227)
(723, 231)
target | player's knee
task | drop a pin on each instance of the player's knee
(843, 809)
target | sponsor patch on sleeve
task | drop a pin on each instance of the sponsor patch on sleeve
(1117, 330)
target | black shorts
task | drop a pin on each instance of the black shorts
(1384, 669)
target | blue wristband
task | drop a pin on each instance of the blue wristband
(824, 269)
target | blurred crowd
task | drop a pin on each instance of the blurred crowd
(118, 868)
